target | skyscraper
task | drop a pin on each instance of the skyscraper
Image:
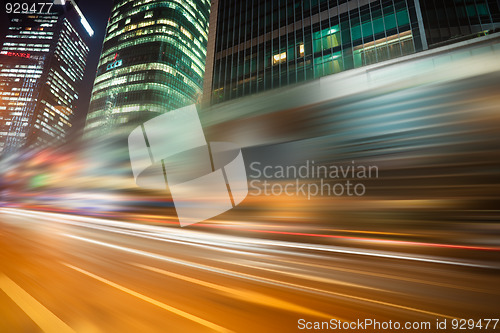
(447, 21)
(42, 64)
(152, 61)
(260, 45)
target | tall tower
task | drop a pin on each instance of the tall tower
(42, 62)
(152, 61)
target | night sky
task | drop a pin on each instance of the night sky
(97, 14)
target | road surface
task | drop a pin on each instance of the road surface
(64, 273)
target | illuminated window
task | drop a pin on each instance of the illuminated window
(279, 58)
(301, 51)
(187, 33)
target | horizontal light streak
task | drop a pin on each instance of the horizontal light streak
(150, 300)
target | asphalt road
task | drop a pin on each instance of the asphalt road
(63, 273)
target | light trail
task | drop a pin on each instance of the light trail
(253, 277)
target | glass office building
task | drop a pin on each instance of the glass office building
(152, 61)
(42, 65)
(260, 44)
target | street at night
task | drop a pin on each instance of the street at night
(100, 275)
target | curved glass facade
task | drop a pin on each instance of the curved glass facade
(447, 21)
(152, 61)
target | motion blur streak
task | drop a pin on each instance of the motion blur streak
(380, 240)
(248, 296)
